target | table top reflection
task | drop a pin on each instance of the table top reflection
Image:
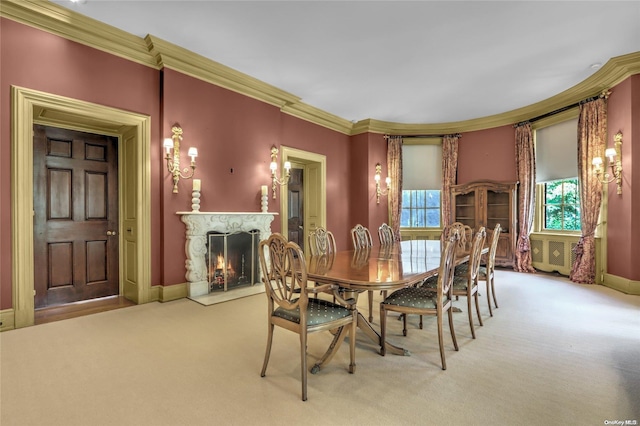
(378, 268)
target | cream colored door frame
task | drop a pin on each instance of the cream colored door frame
(315, 191)
(134, 137)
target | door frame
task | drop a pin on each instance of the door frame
(29, 107)
(314, 189)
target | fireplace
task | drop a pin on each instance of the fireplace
(232, 260)
(205, 286)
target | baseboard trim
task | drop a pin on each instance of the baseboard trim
(173, 292)
(622, 284)
(7, 320)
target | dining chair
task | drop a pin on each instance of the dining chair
(467, 285)
(466, 235)
(486, 272)
(386, 235)
(361, 237)
(284, 274)
(321, 242)
(424, 301)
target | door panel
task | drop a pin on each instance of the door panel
(75, 216)
(295, 214)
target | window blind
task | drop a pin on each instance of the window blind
(422, 167)
(557, 151)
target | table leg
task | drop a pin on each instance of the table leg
(340, 335)
(372, 334)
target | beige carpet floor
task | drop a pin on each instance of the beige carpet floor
(554, 353)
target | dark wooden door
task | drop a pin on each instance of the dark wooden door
(75, 200)
(295, 215)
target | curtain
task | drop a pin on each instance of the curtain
(526, 170)
(449, 171)
(592, 133)
(394, 168)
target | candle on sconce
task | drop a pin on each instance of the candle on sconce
(196, 184)
(265, 190)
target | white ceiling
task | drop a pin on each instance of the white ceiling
(421, 62)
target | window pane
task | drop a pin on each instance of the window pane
(562, 205)
(572, 218)
(553, 217)
(433, 218)
(420, 209)
(404, 218)
(433, 199)
(406, 199)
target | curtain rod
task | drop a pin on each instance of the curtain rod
(604, 94)
(458, 135)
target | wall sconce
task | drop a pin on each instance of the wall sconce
(275, 180)
(173, 165)
(380, 191)
(615, 162)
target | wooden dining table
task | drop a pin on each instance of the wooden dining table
(379, 268)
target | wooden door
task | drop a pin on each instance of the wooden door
(75, 199)
(295, 214)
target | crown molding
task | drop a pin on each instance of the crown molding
(168, 55)
(612, 73)
(73, 26)
(318, 116)
(157, 53)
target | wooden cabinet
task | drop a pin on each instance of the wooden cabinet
(487, 203)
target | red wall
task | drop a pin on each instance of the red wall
(487, 155)
(623, 232)
(40, 61)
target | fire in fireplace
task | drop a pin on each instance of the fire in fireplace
(232, 260)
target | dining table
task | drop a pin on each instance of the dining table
(378, 268)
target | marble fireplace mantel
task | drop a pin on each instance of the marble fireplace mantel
(198, 224)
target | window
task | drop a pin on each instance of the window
(420, 209)
(562, 205)
(558, 194)
(421, 183)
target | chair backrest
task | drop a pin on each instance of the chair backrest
(385, 234)
(447, 268)
(476, 255)
(465, 236)
(491, 260)
(284, 273)
(321, 242)
(361, 237)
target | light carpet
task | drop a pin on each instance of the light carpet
(555, 352)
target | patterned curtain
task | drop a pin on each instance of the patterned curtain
(592, 134)
(526, 169)
(449, 172)
(394, 167)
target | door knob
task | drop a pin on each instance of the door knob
(111, 233)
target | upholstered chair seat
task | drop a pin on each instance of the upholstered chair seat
(319, 311)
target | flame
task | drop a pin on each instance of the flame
(220, 265)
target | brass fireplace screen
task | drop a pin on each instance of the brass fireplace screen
(232, 260)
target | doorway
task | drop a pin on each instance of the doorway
(133, 134)
(75, 200)
(311, 196)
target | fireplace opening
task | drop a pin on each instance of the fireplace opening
(232, 260)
